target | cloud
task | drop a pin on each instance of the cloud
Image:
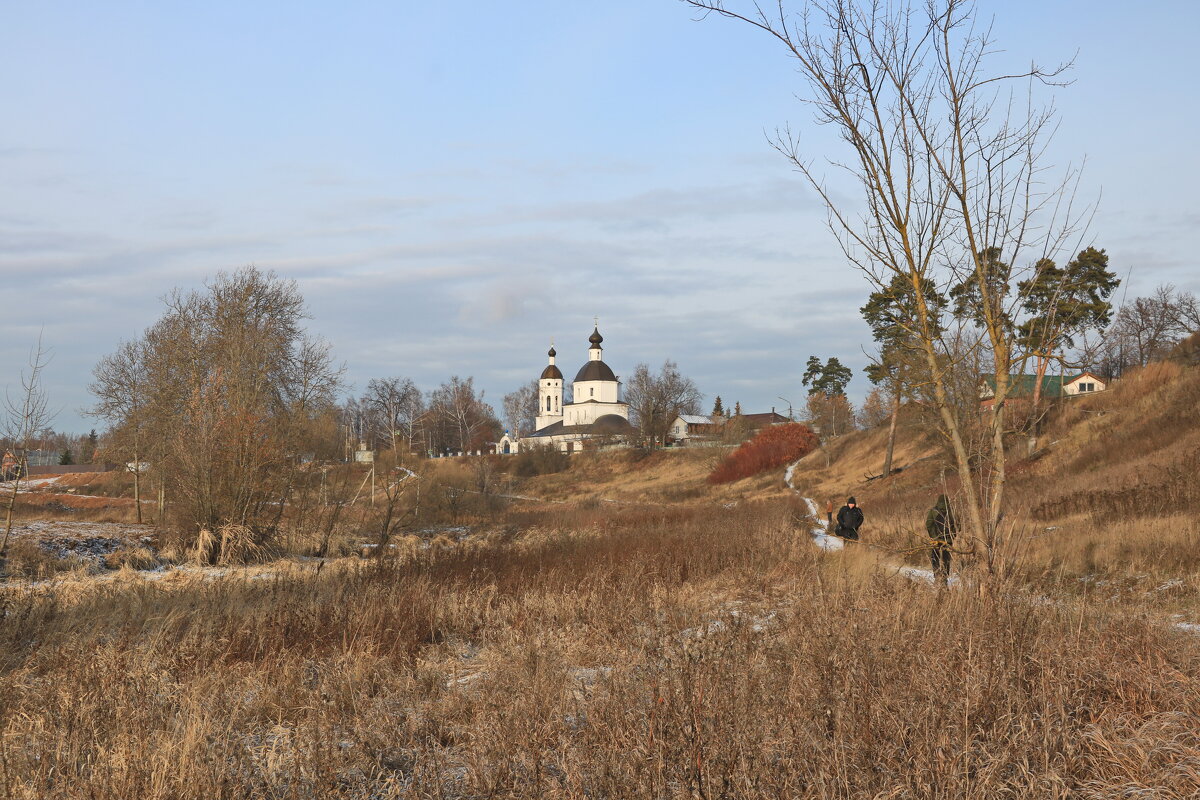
(651, 210)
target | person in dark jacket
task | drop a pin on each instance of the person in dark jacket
(941, 527)
(849, 520)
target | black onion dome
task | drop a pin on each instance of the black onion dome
(552, 352)
(595, 338)
(551, 372)
(611, 423)
(595, 371)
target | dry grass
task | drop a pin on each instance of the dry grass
(674, 644)
(28, 559)
(40, 504)
(634, 477)
(579, 658)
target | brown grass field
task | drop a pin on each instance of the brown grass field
(685, 641)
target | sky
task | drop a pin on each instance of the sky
(453, 184)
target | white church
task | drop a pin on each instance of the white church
(594, 417)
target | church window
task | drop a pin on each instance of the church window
(547, 403)
(591, 392)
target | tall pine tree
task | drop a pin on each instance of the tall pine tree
(1063, 304)
(891, 313)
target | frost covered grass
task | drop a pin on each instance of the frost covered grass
(599, 652)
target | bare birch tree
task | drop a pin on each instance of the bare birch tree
(120, 385)
(521, 409)
(26, 414)
(462, 420)
(948, 158)
(396, 403)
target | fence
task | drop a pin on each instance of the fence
(63, 469)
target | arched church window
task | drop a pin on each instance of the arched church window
(547, 403)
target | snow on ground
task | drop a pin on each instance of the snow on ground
(819, 535)
(757, 623)
(924, 575)
(32, 483)
(88, 540)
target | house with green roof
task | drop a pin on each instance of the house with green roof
(1053, 386)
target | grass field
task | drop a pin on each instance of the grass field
(686, 641)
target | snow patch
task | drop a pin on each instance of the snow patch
(924, 576)
(30, 483)
(757, 623)
(820, 536)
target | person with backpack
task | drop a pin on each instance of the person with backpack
(941, 528)
(849, 520)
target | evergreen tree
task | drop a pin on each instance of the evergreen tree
(891, 312)
(828, 379)
(737, 408)
(1063, 304)
(66, 458)
(718, 409)
(90, 447)
(828, 407)
(969, 302)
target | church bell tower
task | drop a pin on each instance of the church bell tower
(550, 394)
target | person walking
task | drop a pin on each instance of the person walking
(941, 527)
(849, 520)
(829, 515)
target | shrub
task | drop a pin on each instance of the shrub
(773, 447)
(29, 559)
(133, 557)
(540, 460)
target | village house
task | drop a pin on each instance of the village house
(756, 421)
(1053, 387)
(693, 429)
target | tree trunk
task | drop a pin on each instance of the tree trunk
(8, 516)
(1035, 418)
(891, 443)
(1043, 362)
(999, 476)
(137, 483)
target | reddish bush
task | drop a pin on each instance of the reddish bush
(773, 447)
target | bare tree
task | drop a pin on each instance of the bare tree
(234, 391)
(25, 415)
(396, 403)
(1147, 328)
(459, 417)
(1189, 312)
(521, 409)
(656, 399)
(121, 385)
(951, 182)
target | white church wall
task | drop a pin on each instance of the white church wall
(600, 391)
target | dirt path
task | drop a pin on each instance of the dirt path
(822, 539)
